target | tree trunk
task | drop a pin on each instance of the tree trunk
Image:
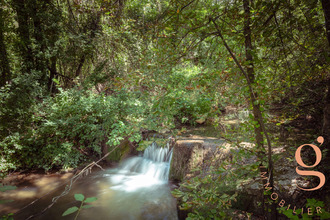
(326, 10)
(51, 85)
(80, 65)
(259, 126)
(4, 62)
(41, 62)
(20, 7)
(250, 72)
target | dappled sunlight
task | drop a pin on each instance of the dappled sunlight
(46, 184)
(24, 193)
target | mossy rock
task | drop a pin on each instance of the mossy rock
(186, 156)
(122, 151)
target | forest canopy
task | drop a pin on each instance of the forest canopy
(77, 75)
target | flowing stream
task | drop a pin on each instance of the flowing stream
(137, 189)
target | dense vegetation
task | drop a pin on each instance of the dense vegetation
(77, 75)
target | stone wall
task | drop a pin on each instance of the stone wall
(192, 153)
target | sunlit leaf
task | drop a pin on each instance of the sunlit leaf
(70, 211)
(79, 197)
(91, 199)
(87, 206)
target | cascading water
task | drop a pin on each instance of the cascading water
(151, 168)
(140, 186)
(136, 190)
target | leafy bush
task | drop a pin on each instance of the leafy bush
(312, 204)
(70, 126)
(211, 193)
(184, 107)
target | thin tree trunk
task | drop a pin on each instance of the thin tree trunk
(24, 34)
(80, 65)
(51, 85)
(326, 10)
(259, 127)
(250, 73)
(250, 78)
(159, 6)
(41, 63)
(4, 61)
(93, 27)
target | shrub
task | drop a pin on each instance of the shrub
(184, 107)
(70, 126)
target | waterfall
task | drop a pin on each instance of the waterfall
(150, 168)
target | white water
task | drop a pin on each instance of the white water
(151, 168)
(137, 190)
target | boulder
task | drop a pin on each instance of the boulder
(124, 150)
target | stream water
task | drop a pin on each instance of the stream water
(137, 189)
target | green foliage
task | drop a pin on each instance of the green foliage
(211, 193)
(17, 104)
(80, 198)
(86, 73)
(70, 126)
(185, 100)
(70, 211)
(7, 217)
(303, 214)
(184, 107)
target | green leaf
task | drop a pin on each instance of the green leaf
(91, 199)
(306, 217)
(87, 206)
(70, 211)
(79, 197)
(56, 81)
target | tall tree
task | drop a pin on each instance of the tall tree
(259, 127)
(21, 7)
(4, 61)
(249, 74)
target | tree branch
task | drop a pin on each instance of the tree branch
(261, 123)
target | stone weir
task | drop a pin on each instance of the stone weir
(194, 152)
